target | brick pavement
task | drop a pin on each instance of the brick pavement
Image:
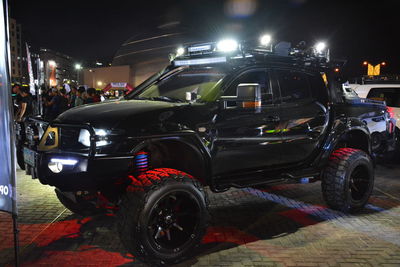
(287, 225)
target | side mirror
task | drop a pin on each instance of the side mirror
(248, 95)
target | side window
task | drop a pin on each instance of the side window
(255, 76)
(390, 95)
(294, 86)
(318, 88)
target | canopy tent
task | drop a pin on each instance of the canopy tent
(113, 86)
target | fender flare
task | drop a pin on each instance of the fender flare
(337, 133)
(190, 140)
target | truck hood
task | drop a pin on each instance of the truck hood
(109, 114)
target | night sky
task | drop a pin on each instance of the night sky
(354, 30)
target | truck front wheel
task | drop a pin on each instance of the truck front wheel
(163, 216)
(348, 180)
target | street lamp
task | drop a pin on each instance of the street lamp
(78, 67)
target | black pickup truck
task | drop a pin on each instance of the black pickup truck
(221, 119)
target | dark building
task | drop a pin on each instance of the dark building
(56, 68)
(19, 69)
(147, 53)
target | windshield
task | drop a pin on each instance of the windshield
(203, 82)
(390, 95)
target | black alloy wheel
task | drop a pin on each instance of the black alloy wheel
(163, 216)
(173, 221)
(359, 183)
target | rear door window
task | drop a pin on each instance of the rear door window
(294, 86)
(390, 95)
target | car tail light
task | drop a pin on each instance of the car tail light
(390, 110)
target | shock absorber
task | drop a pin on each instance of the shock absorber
(141, 162)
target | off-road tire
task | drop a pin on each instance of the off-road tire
(348, 180)
(146, 198)
(83, 208)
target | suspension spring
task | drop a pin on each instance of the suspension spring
(141, 162)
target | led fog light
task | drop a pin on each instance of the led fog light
(57, 165)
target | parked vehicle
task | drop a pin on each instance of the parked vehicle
(220, 115)
(390, 94)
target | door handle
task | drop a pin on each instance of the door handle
(272, 118)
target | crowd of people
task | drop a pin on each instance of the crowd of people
(54, 101)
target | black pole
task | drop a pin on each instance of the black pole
(16, 239)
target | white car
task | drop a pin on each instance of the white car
(390, 93)
(383, 92)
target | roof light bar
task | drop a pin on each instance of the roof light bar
(227, 45)
(200, 61)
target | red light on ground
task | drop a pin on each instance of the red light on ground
(336, 69)
(365, 63)
(383, 63)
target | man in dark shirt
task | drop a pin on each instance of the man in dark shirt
(54, 105)
(16, 97)
(91, 92)
(26, 104)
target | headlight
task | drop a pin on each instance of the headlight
(84, 137)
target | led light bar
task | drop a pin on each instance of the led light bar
(200, 61)
(65, 161)
(199, 48)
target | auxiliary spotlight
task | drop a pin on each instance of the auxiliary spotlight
(320, 47)
(227, 45)
(265, 40)
(180, 51)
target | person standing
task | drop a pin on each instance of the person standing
(26, 105)
(63, 100)
(72, 97)
(91, 92)
(79, 96)
(53, 105)
(16, 97)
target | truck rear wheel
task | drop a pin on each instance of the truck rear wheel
(163, 216)
(348, 180)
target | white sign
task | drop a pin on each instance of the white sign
(31, 80)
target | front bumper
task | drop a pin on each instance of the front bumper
(88, 173)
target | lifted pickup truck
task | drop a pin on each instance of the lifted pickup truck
(240, 118)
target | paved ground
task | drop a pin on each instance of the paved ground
(274, 226)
